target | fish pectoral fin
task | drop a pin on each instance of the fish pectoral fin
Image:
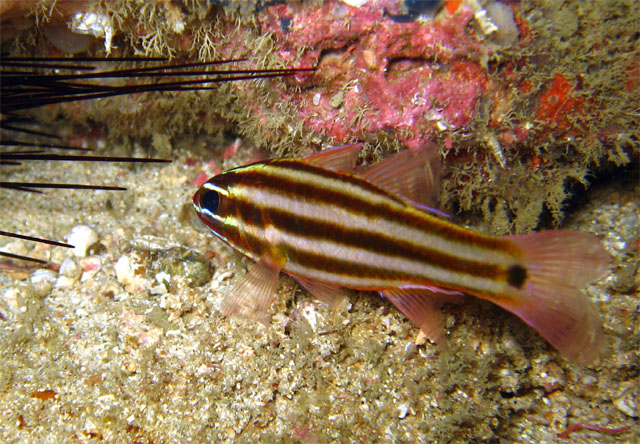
(422, 307)
(413, 174)
(333, 295)
(253, 293)
(341, 158)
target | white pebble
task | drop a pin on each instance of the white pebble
(13, 299)
(403, 409)
(310, 313)
(588, 380)
(355, 3)
(627, 403)
(43, 281)
(124, 270)
(64, 282)
(81, 237)
(90, 266)
(70, 268)
(98, 25)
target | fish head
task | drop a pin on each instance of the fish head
(219, 205)
(214, 207)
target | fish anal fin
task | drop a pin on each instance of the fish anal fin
(413, 174)
(422, 307)
(342, 158)
(558, 264)
(253, 294)
(335, 296)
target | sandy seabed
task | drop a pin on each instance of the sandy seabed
(126, 344)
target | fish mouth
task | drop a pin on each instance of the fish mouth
(196, 200)
(197, 205)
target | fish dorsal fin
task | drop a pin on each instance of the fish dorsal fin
(341, 158)
(252, 296)
(413, 174)
(422, 306)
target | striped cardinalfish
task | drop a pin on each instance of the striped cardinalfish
(332, 229)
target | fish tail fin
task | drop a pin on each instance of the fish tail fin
(557, 265)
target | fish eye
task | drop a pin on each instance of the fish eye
(210, 200)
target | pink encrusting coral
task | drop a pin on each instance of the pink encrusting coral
(379, 75)
(521, 96)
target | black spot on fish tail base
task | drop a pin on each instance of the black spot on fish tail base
(517, 276)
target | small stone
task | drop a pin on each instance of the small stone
(90, 263)
(130, 366)
(355, 3)
(43, 281)
(310, 313)
(588, 380)
(70, 268)
(131, 272)
(96, 249)
(370, 59)
(337, 100)
(69, 273)
(16, 247)
(65, 282)
(181, 263)
(626, 401)
(421, 338)
(12, 299)
(124, 270)
(81, 237)
(403, 409)
(90, 266)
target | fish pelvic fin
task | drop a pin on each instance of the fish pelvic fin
(557, 264)
(253, 294)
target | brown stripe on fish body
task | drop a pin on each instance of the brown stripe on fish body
(324, 186)
(376, 275)
(348, 191)
(328, 188)
(383, 245)
(318, 191)
(339, 179)
(342, 272)
(431, 224)
(351, 239)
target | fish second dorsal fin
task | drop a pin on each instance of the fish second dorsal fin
(413, 174)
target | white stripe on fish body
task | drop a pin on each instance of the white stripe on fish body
(264, 200)
(414, 271)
